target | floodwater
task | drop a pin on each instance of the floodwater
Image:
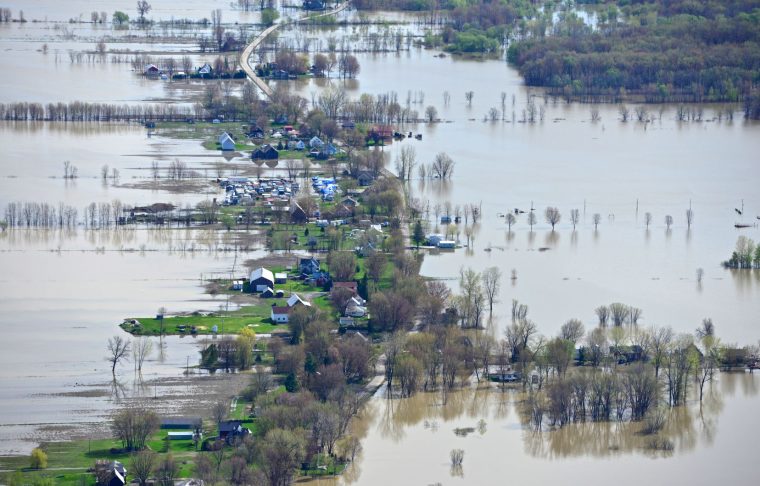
(409, 441)
(62, 295)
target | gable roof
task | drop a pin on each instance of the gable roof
(295, 299)
(225, 136)
(346, 285)
(262, 272)
(278, 310)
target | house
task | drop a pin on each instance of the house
(308, 266)
(329, 149)
(205, 71)
(151, 70)
(349, 201)
(190, 423)
(110, 473)
(226, 142)
(314, 5)
(280, 278)
(365, 178)
(295, 300)
(346, 322)
(230, 430)
(316, 143)
(255, 132)
(447, 244)
(268, 293)
(355, 310)
(352, 286)
(349, 125)
(297, 214)
(265, 152)
(280, 315)
(261, 279)
(300, 145)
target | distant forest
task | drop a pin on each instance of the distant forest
(657, 51)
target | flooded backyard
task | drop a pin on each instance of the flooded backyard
(62, 295)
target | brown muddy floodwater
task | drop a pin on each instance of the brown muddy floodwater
(409, 441)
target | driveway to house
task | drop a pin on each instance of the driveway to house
(245, 56)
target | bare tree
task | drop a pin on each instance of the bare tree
(510, 220)
(603, 313)
(531, 219)
(624, 112)
(220, 411)
(648, 219)
(118, 350)
(572, 331)
(597, 220)
(431, 114)
(142, 465)
(700, 274)
(552, 216)
(443, 166)
(619, 313)
(668, 221)
(491, 284)
(141, 348)
(575, 216)
(689, 217)
(595, 114)
(143, 7)
(660, 341)
(468, 96)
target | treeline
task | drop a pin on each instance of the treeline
(79, 111)
(675, 51)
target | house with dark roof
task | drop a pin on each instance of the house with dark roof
(110, 473)
(352, 286)
(308, 266)
(229, 430)
(265, 152)
(314, 5)
(365, 178)
(188, 423)
(297, 214)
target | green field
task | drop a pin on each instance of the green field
(253, 317)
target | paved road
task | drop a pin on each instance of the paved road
(245, 56)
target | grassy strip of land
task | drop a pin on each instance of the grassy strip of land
(254, 317)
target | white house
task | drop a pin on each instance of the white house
(280, 314)
(226, 142)
(295, 300)
(261, 279)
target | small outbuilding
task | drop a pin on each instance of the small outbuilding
(265, 152)
(280, 315)
(226, 142)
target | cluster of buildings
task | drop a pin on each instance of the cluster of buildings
(288, 138)
(243, 190)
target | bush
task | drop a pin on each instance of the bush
(39, 459)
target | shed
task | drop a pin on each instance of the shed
(190, 423)
(261, 279)
(188, 435)
(151, 70)
(280, 277)
(447, 244)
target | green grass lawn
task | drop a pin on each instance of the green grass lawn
(254, 317)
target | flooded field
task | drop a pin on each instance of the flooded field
(62, 295)
(408, 441)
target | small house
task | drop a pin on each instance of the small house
(329, 149)
(434, 239)
(226, 142)
(110, 473)
(280, 278)
(380, 133)
(300, 145)
(365, 178)
(268, 293)
(316, 143)
(308, 266)
(349, 202)
(205, 71)
(280, 315)
(298, 214)
(295, 300)
(151, 70)
(265, 152)
(261, 279)
(230, 430)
